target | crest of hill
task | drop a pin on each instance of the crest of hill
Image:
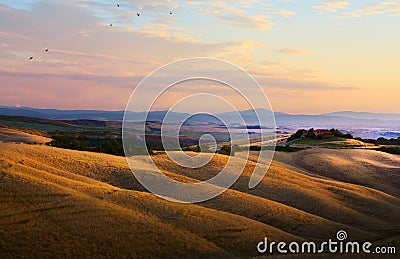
(13, 135)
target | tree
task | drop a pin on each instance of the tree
(113, 147)
(348, 136)
(299, 134)
(226, 150)
(311, 133)
(196, 149)
(337, 133)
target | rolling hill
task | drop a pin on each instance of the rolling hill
(57, 202)
(369, 168)
(12, 135)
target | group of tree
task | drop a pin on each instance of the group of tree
(224, 150)
(339, 134)
(298, 135)
(312, 134)
(390, 149)
(277, 148)
(108, 146)
(382, 141)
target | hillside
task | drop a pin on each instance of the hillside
(330, 143)
(69, 203)
(12, 135)
(49, 125)
(370, 168)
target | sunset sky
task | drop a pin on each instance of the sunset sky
(311, 56)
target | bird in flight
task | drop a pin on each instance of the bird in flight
(30, 58)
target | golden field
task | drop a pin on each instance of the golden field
(64, 203)
(12, 135)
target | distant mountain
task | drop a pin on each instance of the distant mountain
(366, 115)
(323, 120)
(250, 117)
(337, 119)
(157, 116)
(62, 114)
(331, 121)
(101, 115)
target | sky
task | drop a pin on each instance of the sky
(311, 56)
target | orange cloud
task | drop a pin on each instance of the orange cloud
(293, 51)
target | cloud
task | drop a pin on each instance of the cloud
(108, 51)
(92, 55)
(257, 22)
(333, 5)
(235, 13)
(131, 80)
(156, 13)
(11, 35)
(164, 28)
(90, 63)
(300, 84)
(379, 7)
(386, 7)
(293, 51)
(241, 51)
(56, 92)
(284, 13)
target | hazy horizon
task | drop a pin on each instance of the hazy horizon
(334, 111)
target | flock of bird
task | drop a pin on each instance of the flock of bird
(138, 14)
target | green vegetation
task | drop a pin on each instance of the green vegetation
(390, 149)
(332, 138)
(278, 148)
(108, 146)
(382, 141)
(196, 149)
(42, 124)
(226, 150)
(288, 149)
(255, 148)
(113, 147)
(298, 135)
(391, 146)
(98, 136)
(69, 143)
(83, 135)
(309, 141)
(323, 134)
(339, 134)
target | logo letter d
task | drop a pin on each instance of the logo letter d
(262, 247)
